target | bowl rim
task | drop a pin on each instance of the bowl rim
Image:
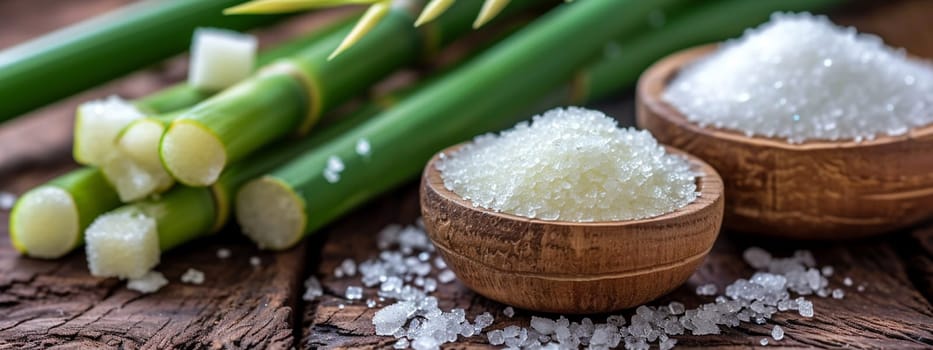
(707, 184)
(655, 80)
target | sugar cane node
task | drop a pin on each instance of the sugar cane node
(306, 78)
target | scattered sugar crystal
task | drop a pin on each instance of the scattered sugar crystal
(192, 276)
(495, 337)
(707, 289)
(543, 325)
(827, 271)
(676, 308)
(430, 285)
(349, 267)
(402, 343)
(313, 289)
(777, 333)
(446, 276)
(341, 306)
(370, 303)
(223, 253)
(7, 200)
(334, 168)
(362, 147)
(570, 164)
(799, 77)
(255, 261)
(151, 282)
(861, 288)
(439, 263)
(667, 344)
(757, 257)
(508, 311)
(847, 282)
(354, 293)
(838, 293)
(763, 341)
(483, 320)
(805, 307)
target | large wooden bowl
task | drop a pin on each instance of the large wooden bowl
(571, 267)
(813, 190)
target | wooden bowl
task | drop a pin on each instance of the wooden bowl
(813, 190)
(571, 267)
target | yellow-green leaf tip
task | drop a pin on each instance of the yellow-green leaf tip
(369, 20)
(490, 9)
(283, 6)
(432, 10)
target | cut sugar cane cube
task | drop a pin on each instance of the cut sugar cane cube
(97, 124)
(220, 58)
(122, 244)
(134, 180)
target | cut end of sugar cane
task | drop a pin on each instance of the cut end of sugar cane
(192, 154)
(270, 213)
(122, 244)
(97, 123)
(140, 140)
(44, 223)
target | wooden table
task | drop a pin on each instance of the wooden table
(57, 303)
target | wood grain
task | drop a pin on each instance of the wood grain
(891, 313)
(812, 190)
(571, 267)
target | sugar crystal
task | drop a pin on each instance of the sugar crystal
(192, 276)
(223, 253)
(354, 293)
(7, 200)
(151, 282)
(313, 289)
(508, 312)
(777, 333)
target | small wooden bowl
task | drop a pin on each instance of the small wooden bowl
(813, 190)
(571, 267)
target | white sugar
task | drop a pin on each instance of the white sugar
(354, 293)
(151, 282)
(707, 289)
(777, 333)
(192, 276)
(223, 253)
(446, 276)
(508, 312)
(570, 164)
(799, 77)
(363, 148)
(313, 289)
(7, 200)
(255, 261)
(334, 167)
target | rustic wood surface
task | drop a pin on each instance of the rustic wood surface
(540, 265)
(56, 303)
(811, 190)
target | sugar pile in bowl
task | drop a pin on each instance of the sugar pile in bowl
(799, 77)
(570, 164)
